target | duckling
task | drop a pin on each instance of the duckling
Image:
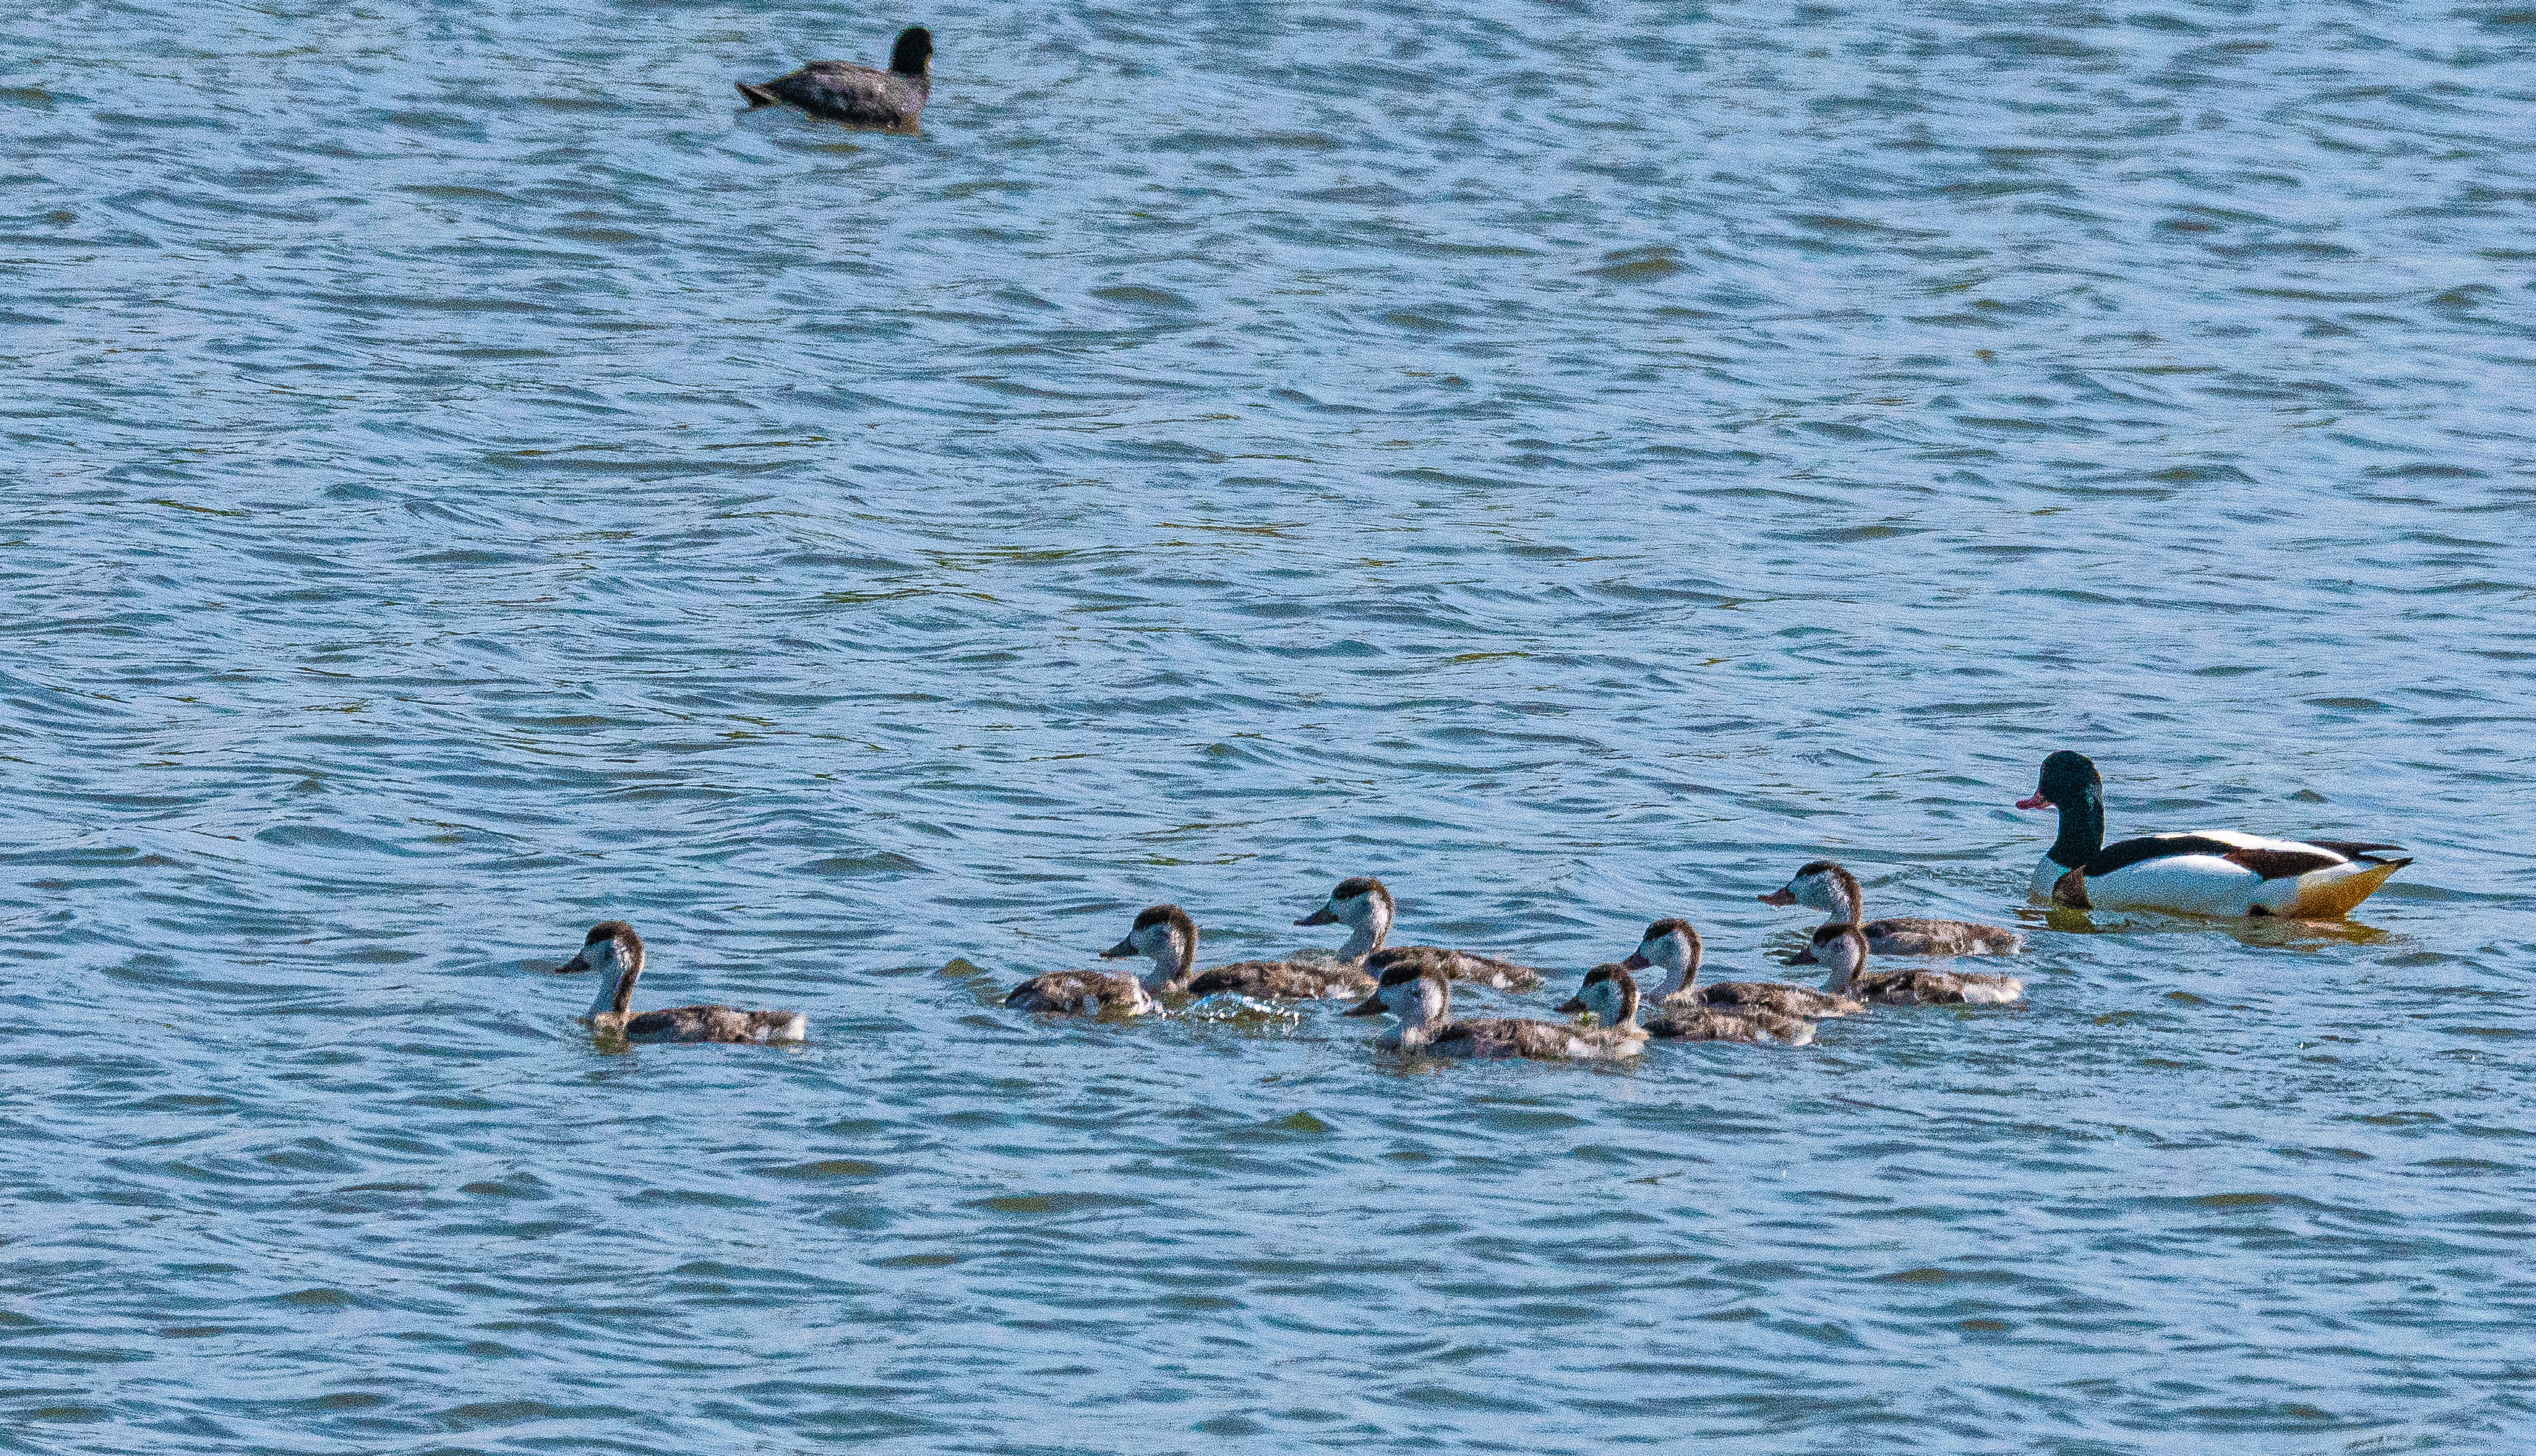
(1366, 908)
(1168, 934)
(1674, 946)
(1611, 994)
(1842, 947)
(1417, 987)
(1107, 993)
(615, 952)
(1828, 887)
(842, 91)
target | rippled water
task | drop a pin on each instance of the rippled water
(466, 478)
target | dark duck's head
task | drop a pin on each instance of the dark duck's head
(913, 55)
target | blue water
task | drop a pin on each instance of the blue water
(465, 478)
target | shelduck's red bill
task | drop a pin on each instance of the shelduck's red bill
(1369, 1006)
(1320, 916)
(1780, 896)
(2038, 802)
(1638, 961)
(1121, 951)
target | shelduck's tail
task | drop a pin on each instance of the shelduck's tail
(2331, 894)
(758, 96)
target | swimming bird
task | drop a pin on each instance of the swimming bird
(615, 952)
(1842, 947)
(1673, 946)
(1611, 994)
(2212, 871)
(1828, 887)
(842, 91)
(1106, 992)
(1416, 989)
(1366, 908)
(1167, 935)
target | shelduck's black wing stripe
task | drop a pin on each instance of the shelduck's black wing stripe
(2285, 864)
(2131, 852)
(2350, 849)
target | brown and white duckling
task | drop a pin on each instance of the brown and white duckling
(1416, 989)
(1828, 887)
(1105, 992)
(860, 96)
(615, 952)
(1167, 935)
(1366, 908)
(1673, 946)
(1611, 994)
(1842, 948)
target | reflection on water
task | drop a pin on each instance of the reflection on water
(2274, 932)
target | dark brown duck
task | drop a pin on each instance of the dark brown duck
(860, 96)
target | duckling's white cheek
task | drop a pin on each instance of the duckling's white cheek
(605, 1000)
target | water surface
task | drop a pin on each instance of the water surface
(467, 478)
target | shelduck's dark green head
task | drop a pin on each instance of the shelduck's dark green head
(2069, 781)
(2071, 784)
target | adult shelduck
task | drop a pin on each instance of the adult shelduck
(2211, 872)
